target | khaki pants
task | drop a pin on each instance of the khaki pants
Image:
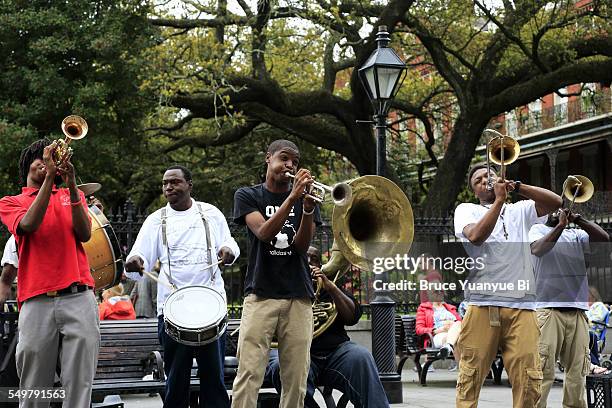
(565, 336)
(291, 321)
(65, 328)
(513, 331)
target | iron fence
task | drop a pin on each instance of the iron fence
(433, 235)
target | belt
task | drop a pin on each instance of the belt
(74, 288)
(566, 309)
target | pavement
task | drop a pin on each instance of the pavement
(439, 393)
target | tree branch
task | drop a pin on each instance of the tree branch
(221, 138)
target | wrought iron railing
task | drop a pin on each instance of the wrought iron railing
(431, 234)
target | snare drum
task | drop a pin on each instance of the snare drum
(195, 315)
(103, 251)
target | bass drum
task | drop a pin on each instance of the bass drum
(103, 251)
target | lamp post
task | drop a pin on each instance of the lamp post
(382, 75)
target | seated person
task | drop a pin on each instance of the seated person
(439, 319)
(335, 360)
(598, 312)
(116, 306)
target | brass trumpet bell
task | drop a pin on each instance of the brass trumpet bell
(74, 127)
(578, 189)
(505, 147)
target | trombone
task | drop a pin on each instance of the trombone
(577, 189)
(74, 127)
(502, 150)
(341, 192)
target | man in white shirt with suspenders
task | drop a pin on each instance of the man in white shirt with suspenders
(183, 236)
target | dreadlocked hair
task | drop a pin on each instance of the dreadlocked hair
(28, 155)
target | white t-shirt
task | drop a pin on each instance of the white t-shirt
(561, 275)
(187, 248)
(10, 253)
(505, 254)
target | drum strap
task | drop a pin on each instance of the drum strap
(208, 241)
(164, 218)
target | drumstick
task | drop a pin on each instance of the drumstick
(156, 279)
(213, 265)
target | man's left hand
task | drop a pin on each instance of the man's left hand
(225, 255)
(66, 169)
(322, 278)
(309, 203)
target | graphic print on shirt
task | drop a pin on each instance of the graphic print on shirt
(285, 237)
(187, 243)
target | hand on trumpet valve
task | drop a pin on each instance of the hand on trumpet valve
(66, 170)
(48, 159)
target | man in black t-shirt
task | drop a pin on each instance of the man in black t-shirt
(335, 360)
(280, 221)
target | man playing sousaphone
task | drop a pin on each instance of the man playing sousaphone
(58, 319)
(335, 360)
(497, 233)
(182, 236)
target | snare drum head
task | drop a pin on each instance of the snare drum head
(195, 307)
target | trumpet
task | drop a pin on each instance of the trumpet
(577, 189)
(502, 150)
(74, 128)
(341, 192)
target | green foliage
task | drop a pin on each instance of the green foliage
(74, 57)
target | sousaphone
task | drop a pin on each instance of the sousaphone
(376, 223)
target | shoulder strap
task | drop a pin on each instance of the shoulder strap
(164, 217)
(207, 232)
(163, 225)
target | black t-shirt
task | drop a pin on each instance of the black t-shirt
(276, 270)
(335, 334)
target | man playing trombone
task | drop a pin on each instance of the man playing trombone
(497, 232)
(562, 290)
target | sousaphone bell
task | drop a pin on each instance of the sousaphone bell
(376, 223)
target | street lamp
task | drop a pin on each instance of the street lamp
(381, 75)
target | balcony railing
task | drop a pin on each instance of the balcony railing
(574, 110)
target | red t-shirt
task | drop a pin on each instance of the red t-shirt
(50, 258)
(117, 308)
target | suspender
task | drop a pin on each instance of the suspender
(209, 252)
(164, 217)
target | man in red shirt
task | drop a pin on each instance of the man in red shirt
(58, 319)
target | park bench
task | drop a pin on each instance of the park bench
(409, 344)
(130, 351)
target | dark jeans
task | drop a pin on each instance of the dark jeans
(350, 369)
(594, 346)
(178, 360)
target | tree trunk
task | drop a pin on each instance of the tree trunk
(451, 175)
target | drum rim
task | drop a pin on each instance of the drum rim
(113, 241)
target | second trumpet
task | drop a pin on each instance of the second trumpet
(341, 192)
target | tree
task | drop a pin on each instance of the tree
(60, 58)
(281, 63)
